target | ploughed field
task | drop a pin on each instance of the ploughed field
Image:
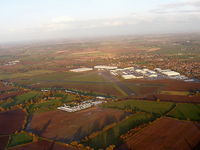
(165, 133)
(68, 127)
(11, 121)
(179, 98)
(3, 141)
(42, 145)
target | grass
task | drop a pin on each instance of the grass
(186, 112)
(4, 76)
(181, 93)
(90, 77)
(112, 135)
(49, 105)
(159, 108)
(65, 76)
(19, 138)
(142, 88)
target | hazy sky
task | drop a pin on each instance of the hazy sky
(46, 19)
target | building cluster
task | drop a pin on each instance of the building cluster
(14, 62)
(138, 73)
(80, 106)
(81, 69)
(99, 67)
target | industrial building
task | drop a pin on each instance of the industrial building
(102, 67)
(131, 77)
(81, 106)
(81, 69)
(171, 73)
(167, 72)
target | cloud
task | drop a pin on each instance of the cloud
(61, 19)
(172, 17)
(187, 6)
(191, 3)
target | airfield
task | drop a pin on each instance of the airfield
(155, 109)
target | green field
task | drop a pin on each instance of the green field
(159, 108)
(181, 93)
(112, 135)
(64, 76)
(19, 138)
(26, 97)
(186, 112)
(21, 99)
(27, 74)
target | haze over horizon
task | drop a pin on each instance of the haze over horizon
(49, 19)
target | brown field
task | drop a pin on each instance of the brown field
(178, 98)
(3, 142)
(67, 127)
(11, 121)
(165, 133)
(42, 145)
(172, 98)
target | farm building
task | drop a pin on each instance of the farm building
(81, 69)
(105, 67)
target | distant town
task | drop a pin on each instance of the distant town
(137, 73)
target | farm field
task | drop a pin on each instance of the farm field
(112, 135)
(19, 138)
(21, 99)
(159, 108)
(162, 133)
(27, 74)
(186, 112)
(50, 104)
(42, 145)
(165, 84)
(3, 141)
(177, 98)
(10, 95)
(70, 127)
(11, 121)
(142, 89)
(179, 93)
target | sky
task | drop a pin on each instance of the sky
(53, 19)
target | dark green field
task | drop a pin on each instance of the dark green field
(186, 112)
(159, 108)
